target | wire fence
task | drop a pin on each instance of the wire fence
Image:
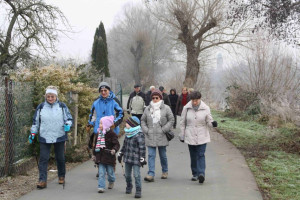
(15, 121)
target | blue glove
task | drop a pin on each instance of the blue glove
(31, 138)
(67, 127)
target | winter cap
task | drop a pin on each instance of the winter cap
(137, 85)
(133, 121)
(107, 122)
(161, 88)
(103, 85)
(157, 93)
(51, 90)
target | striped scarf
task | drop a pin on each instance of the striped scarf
(100, 141)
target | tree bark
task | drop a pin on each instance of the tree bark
(192, 67)
(137, 53)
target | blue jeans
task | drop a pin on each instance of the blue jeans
(151, 159)
(197, 154)
(136, 173)
(102, 172)
(59, 149)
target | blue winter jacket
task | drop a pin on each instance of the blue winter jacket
(49, 121)
(105, 107)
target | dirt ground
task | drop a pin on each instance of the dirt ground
(12, 188)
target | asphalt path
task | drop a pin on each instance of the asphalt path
(227, 178)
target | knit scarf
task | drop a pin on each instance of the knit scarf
(100, 141)
(130, 132)
(184, 99)
(155, 111)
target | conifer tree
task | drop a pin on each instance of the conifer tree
(99, 51)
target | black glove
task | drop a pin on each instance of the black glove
(128, 112)
(182, 141)
(143, 161)
(214, 123)
(120, 155)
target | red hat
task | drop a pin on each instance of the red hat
(157, 93)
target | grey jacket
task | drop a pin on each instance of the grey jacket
(155, 133)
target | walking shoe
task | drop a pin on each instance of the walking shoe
(164, 175)
(97, 175)
(129, 188)
(101, 190)
(149, 178)
(201, 178)
(41, 185)
(138, 193)
(111, 185)
(194, 178)
(61, 180)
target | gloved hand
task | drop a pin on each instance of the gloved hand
(214, 123)
(120, 155)
(31, 138)
(128, 112)
(182, 141)
(113, 152)
(143, 161)
(67, 127)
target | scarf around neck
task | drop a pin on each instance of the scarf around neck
(184, 99)
(130, 132)
(155, 111)
(100, 140)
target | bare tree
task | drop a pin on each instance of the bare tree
(199, 25)
(30, 26)
(271, 73)
(138, 44)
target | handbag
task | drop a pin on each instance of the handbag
(170, 135)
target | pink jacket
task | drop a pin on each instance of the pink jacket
(195, 124)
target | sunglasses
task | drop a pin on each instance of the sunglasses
(155, 98)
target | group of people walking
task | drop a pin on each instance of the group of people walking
(152, 115)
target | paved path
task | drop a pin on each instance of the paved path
(227, 178)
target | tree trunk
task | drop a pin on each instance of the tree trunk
(137, 53)
(192, 67)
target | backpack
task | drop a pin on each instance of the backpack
(137, 105)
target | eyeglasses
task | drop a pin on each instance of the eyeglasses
(155, 98)
(103, 91)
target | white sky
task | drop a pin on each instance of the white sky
(84, 16)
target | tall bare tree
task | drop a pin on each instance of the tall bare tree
(138, 45)
(200, 25)
(29, 26)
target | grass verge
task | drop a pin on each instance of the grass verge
(273, 155)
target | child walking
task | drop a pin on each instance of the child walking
(134, 151)
(106, 146)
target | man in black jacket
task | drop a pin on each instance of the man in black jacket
(165, 96)
(148, 95)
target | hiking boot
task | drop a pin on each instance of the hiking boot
(111, 185)
(61, 180)
(101, 190)
(129, 188)
(201, 178)
(138, 193)
(194, 178)
(164, 175)
(149, 178)
(41, 185)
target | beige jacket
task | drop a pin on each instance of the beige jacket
(195, 124)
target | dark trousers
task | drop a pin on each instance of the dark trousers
(59, 149)
(173, 108)
(197, 154)
(138, 116)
